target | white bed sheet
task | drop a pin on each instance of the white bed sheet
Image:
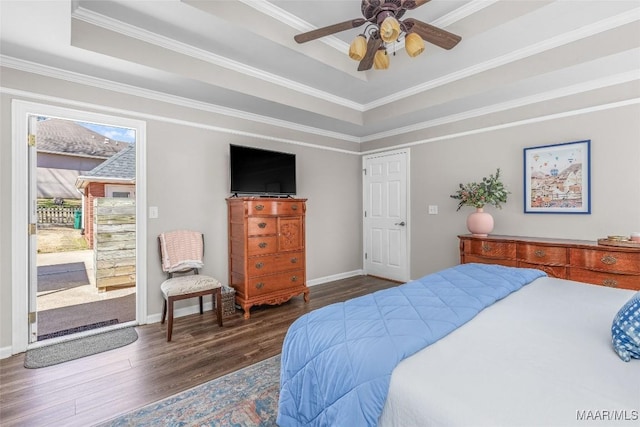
(540, 357)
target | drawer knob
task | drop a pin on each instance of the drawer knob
(262, 225)
(610, 282)
(259, 265)
(294, 207)
(294, 278)
(539, 253)
(294, 260)
(259, 285)
(259, 207)
(262, 245)
(608, 259)
(486, 247)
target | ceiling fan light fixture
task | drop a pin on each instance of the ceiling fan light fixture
(390, 29)
(381, 60)
(358, 48)
(413, 44)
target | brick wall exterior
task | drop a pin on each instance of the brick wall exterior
(93, 190)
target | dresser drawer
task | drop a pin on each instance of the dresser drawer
(262, 245)
(557, 271)
(541, 254)
(491, 249)
(267, 284)
(603, 260)
(273, 207)
(624, 281)
(261, 226)
(485, 260)
(269, 264)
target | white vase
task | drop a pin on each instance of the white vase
(480, 223)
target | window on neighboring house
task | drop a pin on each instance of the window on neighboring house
(123, 191)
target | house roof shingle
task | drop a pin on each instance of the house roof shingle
(121, 166)
(67, 136)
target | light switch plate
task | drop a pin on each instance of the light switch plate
(433, 209)
(153, 212)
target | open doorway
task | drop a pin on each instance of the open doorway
(24, 257)
(78, 163)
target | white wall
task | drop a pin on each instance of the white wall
(438, 167)
(187, 179)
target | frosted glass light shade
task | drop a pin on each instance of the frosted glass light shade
(358, 48)
(390, 29)
(413, 44)
(381, 60)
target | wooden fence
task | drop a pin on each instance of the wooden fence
(56, 215)
(114, 237)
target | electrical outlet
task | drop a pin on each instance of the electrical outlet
(153, 212)
(433, 209)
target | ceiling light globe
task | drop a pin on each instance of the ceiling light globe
(413, 44)
(381, 60)
(358, 48)
(390, 29)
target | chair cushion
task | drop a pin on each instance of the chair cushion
(188, 284)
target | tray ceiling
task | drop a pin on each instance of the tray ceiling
(239, 57)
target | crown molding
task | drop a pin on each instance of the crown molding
(270, 9)
(542, 46)
(564, 114)
(139, 115)
(138, 33)
(97, 82)
(145, 116)
(57, 73)
(521, 102)
(274, 11)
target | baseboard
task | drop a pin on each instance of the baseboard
(193, 309)
(334, 277)
(5, 352)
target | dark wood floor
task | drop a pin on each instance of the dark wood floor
(96, 388)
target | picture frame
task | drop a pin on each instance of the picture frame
(557, 178)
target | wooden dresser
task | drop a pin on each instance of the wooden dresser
(266, 250)
(579, 260)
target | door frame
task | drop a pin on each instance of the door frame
(407, 153)
(20, 111)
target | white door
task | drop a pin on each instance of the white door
(33, 226)
(24, 215)
(386, 222)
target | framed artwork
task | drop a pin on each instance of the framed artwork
(557, 178)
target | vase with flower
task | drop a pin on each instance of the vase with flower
(490, 191)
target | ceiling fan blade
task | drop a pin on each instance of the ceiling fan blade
(331, 29)
(412, 4)
(435, 35)
(372, 46)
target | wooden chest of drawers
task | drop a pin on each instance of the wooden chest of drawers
(578, 260)
(266, 250)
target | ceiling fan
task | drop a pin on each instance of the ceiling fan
(384, 26)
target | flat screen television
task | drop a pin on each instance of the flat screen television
(262, 172)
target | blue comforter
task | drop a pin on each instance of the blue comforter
(337, 361)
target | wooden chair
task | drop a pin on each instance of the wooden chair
(181, 254)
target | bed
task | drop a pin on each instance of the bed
(540, 354)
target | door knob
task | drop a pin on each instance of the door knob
(401, 224)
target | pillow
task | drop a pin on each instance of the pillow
(625, 330)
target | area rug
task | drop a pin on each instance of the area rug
(248, 397)
(76, 348)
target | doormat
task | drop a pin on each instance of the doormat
(78, 329)
(74, 349)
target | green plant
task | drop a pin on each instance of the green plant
(490, 191)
